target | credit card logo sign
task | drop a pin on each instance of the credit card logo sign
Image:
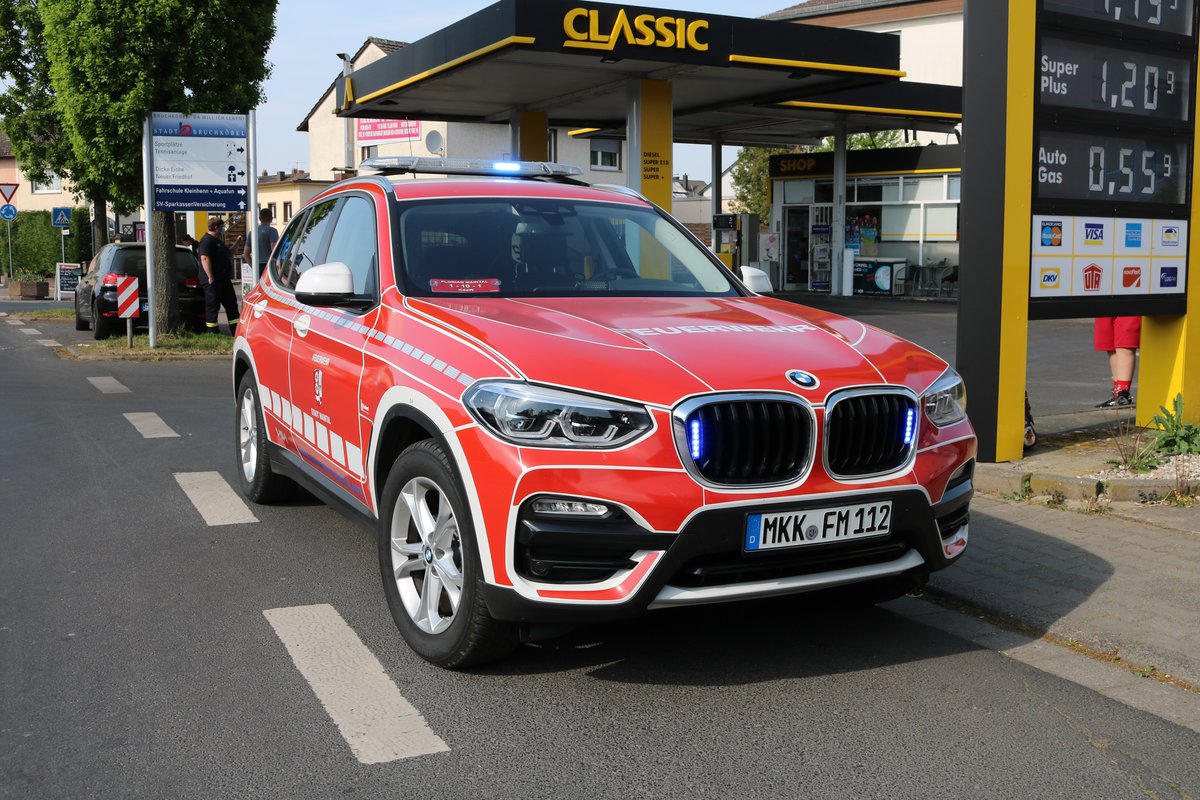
(1131, 277)
(1170, 236)
(1133, 234)
(1093, 234)
(1093, 274)
(1051, 277)
(1052, 233)
(1168, 278)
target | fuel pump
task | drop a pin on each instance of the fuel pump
(736, 239)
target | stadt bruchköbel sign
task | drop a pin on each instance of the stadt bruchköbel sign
(200, 162)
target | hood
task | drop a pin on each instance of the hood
(660, 350)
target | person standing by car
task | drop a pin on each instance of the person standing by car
(216, 276)
(267, 237)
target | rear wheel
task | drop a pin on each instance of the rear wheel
(81, 324)
(430, 566)
(101, 326)
(258, 481)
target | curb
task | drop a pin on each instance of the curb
(72, 352)
(999, 480)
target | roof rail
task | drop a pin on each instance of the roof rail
(616, 187)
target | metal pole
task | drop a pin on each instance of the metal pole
(148, 206)
(347, 70)
(252, 170)
(10, 251)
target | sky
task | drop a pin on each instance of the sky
(310, 34)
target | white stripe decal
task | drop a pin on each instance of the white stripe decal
(297, 419)
(335, 449)
(286, 416)
(109, 385)
(354, 459)
(323, 438)
(310, 429)
(150, 425)
(275, 405)
(212, 497)
(378, 723)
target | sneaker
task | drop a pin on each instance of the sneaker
(1120, 398)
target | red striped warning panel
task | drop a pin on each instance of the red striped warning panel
(127, 296)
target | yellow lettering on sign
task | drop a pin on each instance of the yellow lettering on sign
(645, 30)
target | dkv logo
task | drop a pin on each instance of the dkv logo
(1051, 278)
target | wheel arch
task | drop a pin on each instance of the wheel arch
(401, 427)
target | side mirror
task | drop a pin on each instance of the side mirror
(757, 281)
(325, 285)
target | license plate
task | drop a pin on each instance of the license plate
(145, 304)
(818, 525)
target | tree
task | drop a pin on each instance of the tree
(751, 182)
(751, 176)
(29, 115)
(112, 62)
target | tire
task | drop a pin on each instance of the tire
(257, 480)
(101, 326)
(81, 324)
(427, 555)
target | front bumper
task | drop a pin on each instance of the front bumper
(705, 561)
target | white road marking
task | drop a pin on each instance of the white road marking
(150, 425)
(14, 321)
(212, 497)
(49, 342)
(369, 711)
(109, 385)
(31, 331)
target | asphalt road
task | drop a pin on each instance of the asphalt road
(137, 660)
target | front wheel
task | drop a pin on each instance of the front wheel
(101, 326)
(255, 476)
(430, 566)
(81, 324)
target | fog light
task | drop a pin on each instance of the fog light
(573, 508)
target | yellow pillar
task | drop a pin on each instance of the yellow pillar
(531, 129)
(650, 132)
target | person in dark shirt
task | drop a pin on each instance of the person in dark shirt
(216, 277)
(188, 241)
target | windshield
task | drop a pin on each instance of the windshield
(559, 247)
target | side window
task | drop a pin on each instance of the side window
(307, 248)
(281, 259)
(355, 244)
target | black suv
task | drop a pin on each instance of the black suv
(96, 294)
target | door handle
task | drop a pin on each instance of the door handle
(301, 325)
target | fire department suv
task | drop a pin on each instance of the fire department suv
(556, 406)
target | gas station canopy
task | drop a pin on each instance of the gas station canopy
(733, 80)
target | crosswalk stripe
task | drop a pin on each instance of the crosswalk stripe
(49, 342)
(378, 723)
(212, 497)
(31, 331)
(151, 425)
(109, 385)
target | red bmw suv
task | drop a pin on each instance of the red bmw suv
(555, 406)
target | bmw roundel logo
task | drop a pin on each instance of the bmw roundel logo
(805, 380)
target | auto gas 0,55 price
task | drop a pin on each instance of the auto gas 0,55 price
(1147, 169)
(1127, 80)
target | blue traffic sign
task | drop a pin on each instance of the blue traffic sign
(200, 198)
(61, 217)
(8, 212)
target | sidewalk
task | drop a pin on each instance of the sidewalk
(1119, 577)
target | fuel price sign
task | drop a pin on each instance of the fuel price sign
(1167, 16)
(1143, 169)
(1127, 80)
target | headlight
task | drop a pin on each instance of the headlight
(539, 417)
(946, 401)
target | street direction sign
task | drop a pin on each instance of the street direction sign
(200, 162)
(61, 217)
(7, 190)
(8, 212)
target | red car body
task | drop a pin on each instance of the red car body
(550, 532)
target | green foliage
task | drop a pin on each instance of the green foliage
(112, 62)
(1175, 436)
(79, 243)
(35, 246)
(751, 182)
(875, 140)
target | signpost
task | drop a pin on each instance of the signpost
(200, 162)
(127, 304)
(8, 212)
(66, 279)
(1081, 116)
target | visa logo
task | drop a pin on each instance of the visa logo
(1051, 277)
(1093, 233)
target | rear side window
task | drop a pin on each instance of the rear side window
(305, 248)
(132, 261)
(354, 244)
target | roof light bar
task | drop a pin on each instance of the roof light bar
(399, 165)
